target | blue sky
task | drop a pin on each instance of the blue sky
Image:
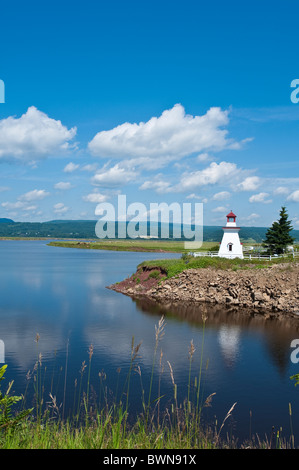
(169, 101)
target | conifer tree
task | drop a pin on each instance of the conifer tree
(278, 235)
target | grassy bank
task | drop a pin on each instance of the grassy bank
(173, 267)
(162, 246)
(104, 434)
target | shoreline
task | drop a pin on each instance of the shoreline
(146, 246)
(272, 291)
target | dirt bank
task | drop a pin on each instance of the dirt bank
(274, 291)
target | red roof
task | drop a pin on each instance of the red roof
(231, 214)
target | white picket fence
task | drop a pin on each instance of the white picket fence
(294, 254)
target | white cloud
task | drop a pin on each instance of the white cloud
(89, 167)
(60, 208)
(203, 157)
(13, 205)
(114, 176)
(147, 163)
(195, 196)
(261, 197)
(281, 190)
(158, 186)
(172, 135)
(30, 208)
(221, 196)
(251, 217)
(63, 185)
(215, 173)
(35, 195)
(294, 196)
(23, 202)
(70, 167)
(95, 197)
(34, 134)
(251, 183)
(220, 209)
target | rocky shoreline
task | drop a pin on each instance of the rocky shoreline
(272, 291)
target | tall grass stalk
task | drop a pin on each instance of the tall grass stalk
(159, 333)
(82, 369)
(175, 409)
(228, 415)
(161, 369)
(90, 354)
(204, 318)
(75, 390)
(65, 375)
(291, 427)
(134, 355)
(102, 377)
(188, 405)
(37, 377)
(28, 379)
(53, 372)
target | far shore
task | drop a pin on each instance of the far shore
(143, 245)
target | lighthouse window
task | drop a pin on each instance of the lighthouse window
(231, 219)
(230, 247)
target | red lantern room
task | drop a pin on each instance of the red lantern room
(231, 217)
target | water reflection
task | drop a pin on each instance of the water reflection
(231, 324)
(229, 340)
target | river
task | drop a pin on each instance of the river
(61, 295)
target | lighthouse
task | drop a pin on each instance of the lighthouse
(231, 246)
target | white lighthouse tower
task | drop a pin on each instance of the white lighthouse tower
(231, 246)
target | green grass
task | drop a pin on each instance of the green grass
(131, 245)
(173, 267)
(105, 433)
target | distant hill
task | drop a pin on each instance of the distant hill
(86, 229)
(6, 221)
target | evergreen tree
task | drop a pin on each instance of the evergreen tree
(278, 236)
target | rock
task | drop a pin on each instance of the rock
(263, 289)
(167, 286)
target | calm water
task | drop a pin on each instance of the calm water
(61, 294)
